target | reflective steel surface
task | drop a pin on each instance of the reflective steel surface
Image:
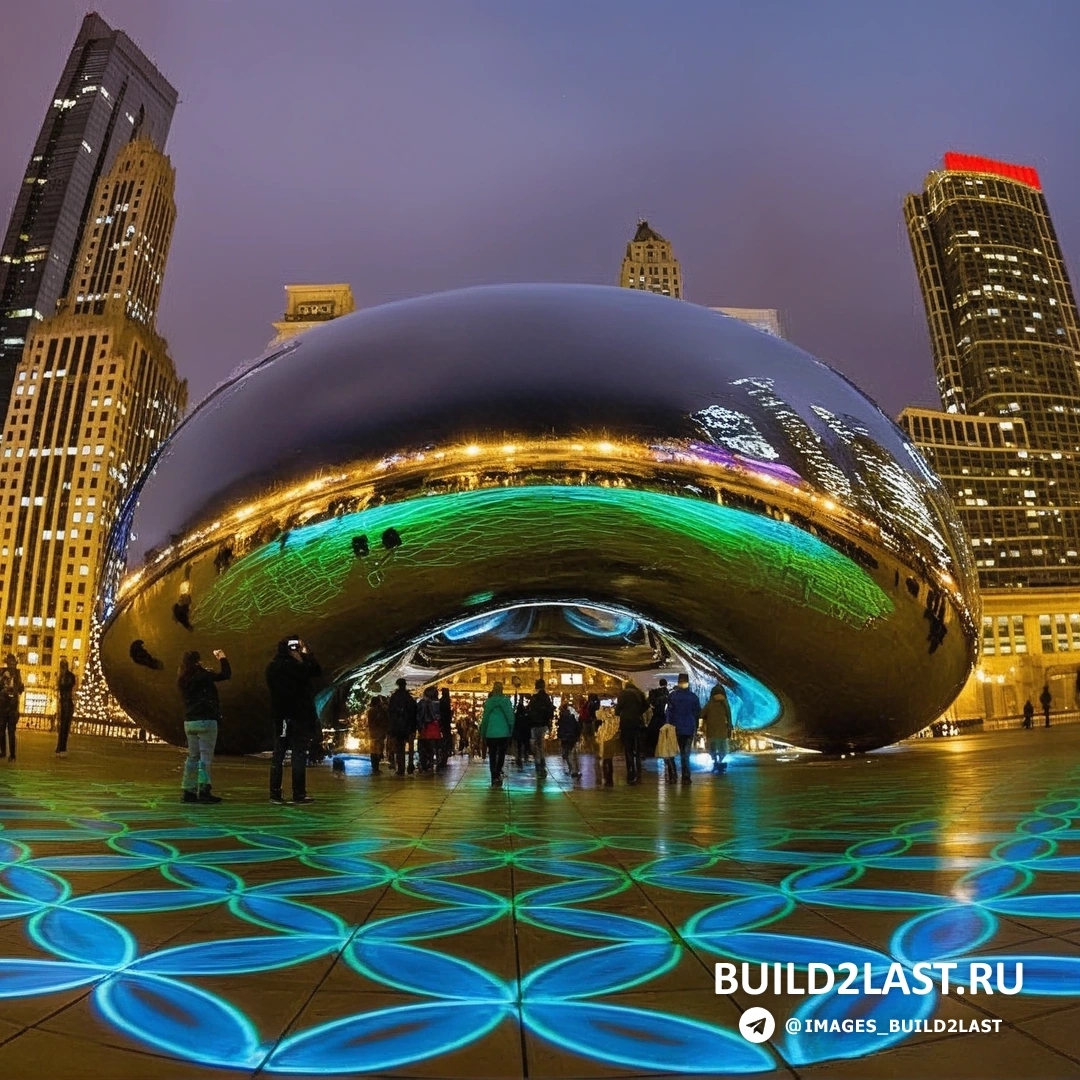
(398, 470)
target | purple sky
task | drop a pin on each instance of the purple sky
(408, 147)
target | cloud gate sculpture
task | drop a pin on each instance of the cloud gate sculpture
(545, 470)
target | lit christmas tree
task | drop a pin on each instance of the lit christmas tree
(93, 702)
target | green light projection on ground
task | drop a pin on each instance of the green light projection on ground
(467, 529)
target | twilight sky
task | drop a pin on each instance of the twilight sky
(410, 146)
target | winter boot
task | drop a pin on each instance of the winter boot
(608, 767)
(669, 771)
(205, 795)
(189, 796)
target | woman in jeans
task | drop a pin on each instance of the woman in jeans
(496, 727)
(202, 711)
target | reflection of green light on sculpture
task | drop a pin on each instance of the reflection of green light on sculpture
(468, 528)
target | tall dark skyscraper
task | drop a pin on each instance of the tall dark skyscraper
(107, 94)
(1004, 330)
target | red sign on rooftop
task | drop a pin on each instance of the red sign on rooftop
(1024, 174)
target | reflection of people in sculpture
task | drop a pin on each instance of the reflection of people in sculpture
(446, 726)
(1029, 714)
(1044, 700)
(541, 713)
(495, 727)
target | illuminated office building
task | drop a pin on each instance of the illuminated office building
(1003, 327)
(107, 94)
(94, 395)
(650, 264)
(310, 305)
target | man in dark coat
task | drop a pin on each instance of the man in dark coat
(402, 707)
(1045, 700)
(683, 709)
(541, 714)
(289, 678)
(629, 708)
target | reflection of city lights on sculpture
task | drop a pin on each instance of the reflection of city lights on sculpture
(787, 500)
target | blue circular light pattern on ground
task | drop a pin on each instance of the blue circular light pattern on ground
(747, 887)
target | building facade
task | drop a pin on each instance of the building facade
(95, 394)
(1004, 331)
(767, 320)
(108, 93)
(650, 264)
(309, 305)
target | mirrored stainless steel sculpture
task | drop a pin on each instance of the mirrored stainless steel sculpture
(582, 470)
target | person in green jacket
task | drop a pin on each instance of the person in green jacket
(717, 717)
(496, 727)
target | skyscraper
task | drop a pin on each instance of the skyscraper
(1003, 327)
(107, 94)
(1004, 331)
(767, 320)
(95, 394)
(649, 264)
(308, 305)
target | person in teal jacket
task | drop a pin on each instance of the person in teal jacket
(496, 727)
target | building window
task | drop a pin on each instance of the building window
(988, 636)
(1004, 643)
(1045, 634)
(1019, 637)
(1062, 633)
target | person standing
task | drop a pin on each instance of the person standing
(428, 728)
(717, 717)
(378, 723)
(202, 714)
(522, 731)
(446, 726)
(402, 706)
(541, 714)
(1044, 700)
(569, 731)
(292, 705)
(496, 726)
(1029, 714)
(11, 686)
(682, 712)
(630, 707)
(65, 709)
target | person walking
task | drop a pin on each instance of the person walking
(1044, 700)
(568, 728)
(522, 730)
(682, 712)
(202, 714)
(717, 717)
(11, 686)
(446, 726)
(65, 707)
(667, 750)
(1029, 714)
(658, 696)
(289, 677)
(402, 707)
(541, 714)
(428, 728)
(378, 725)
(496, 726)
(630, 707)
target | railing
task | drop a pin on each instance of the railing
(113, 729)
